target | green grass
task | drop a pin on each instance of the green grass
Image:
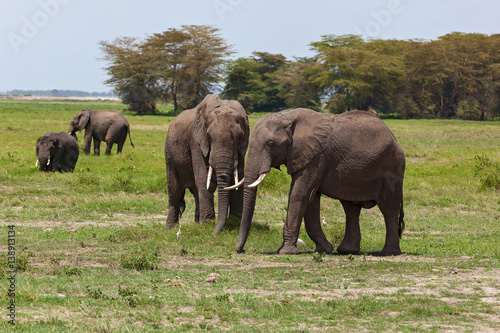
(93, 253)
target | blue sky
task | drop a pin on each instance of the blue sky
(53, 44)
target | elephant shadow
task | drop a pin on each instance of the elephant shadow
(336, 254)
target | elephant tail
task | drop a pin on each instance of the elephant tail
(130, 137)
(401, 227)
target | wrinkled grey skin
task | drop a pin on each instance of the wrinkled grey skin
(352, 157)
(109, 126)
(57, 152)
(214, 133)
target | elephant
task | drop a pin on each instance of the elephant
(204, 151)
(57, 152)
(352, 157)
(109, 126)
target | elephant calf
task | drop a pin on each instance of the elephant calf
(57, 152)
(109, 126)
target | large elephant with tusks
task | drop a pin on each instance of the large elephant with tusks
(352, 157)
(204, 151)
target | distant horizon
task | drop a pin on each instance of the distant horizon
(64, 93)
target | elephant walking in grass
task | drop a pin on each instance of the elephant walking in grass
(204, 151)
(352, 157)
(56, 152)
(108, 126)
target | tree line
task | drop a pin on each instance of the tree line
(456, 75)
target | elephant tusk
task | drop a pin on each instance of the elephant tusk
(258, 181)
(209, 177)
(36, 164)
(48, 162)
(235, 186)
(236, 176)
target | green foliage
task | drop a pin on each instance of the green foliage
(179, 66)
(22, 262)
(140, 259)
(394, 76)
(95, 293)
(488, 171)
(252, 82)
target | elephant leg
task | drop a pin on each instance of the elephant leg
(97, 147)
(391, 213)
(205, 197)
(304, 185)
(196, 204)
(88, 142)
(176, 203)
(352, 238)
(313, 226)
(121, 140)
(206, 205)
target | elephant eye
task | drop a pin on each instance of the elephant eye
(270, 143)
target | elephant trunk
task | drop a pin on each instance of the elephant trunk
(250, 195)
(72, 132)
(223, 171)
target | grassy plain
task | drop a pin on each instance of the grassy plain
(93, 254)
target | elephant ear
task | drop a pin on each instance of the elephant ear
(246, 138)
(84, 119)
(245, 126)
(200, 125)
(312, 133)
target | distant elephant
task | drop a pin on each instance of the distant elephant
(204, 150)
(352, 157)
(109, 126)
(56, 152)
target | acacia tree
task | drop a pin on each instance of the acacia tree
(252, 81)
(298, 84)
(178, 65)
(131, 73)
(206, 61)
(359, 74)
(169, 52)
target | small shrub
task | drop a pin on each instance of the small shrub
(70, 271)
(87, 179)
(317, 257)
(488, 171)
(22, 262)
(126, 291)
(122, 182)
(95, 293)
(222, 297)
(140, 260)
(129, 294)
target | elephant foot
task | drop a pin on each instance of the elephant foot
(290, 249)
(324, 249)
(390, 251)
(170, 225)
(346, 249)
